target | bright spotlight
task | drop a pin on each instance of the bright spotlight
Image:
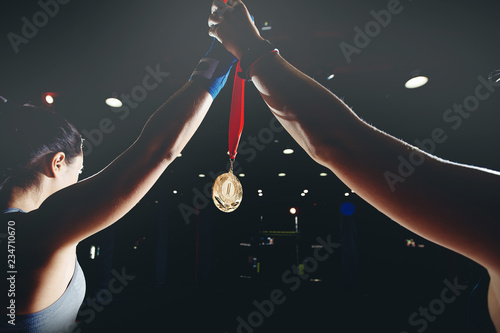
(92, 252)
(416, 82)
(293, 211)
(49, 99)
(281, 174)
(114, 102)
(288, 151)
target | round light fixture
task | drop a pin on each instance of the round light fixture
(416, 82)
(114, 102)
(49, 99)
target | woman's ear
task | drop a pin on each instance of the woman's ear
(56, 164)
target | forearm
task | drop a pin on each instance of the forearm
(317, 119)
(170, 128)
(438, 200)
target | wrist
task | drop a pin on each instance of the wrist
(248, 44)
(253, 54)
(213, 69)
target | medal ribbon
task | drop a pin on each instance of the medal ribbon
(236, 118)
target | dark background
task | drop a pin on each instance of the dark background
(92, 49)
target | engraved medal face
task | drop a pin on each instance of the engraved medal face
(227, 192)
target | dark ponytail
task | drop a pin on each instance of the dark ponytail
(28, 135)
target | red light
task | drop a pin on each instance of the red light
(48, 98)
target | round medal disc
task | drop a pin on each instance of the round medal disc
(227, 192)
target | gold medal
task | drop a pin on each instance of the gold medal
(227, 192)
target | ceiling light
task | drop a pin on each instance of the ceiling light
(201, 175)
(302, 194)
(323, 174)
(306, 191)
(281, 174)
(241, 175)
(175, 191)
(346, 194)
(293, 211)
(260, 194)
(416, 82)
(260, 191)
(331, 76)
(49, 99)
(288, 151)
(114, 102)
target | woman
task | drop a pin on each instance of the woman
(451, 204)
(46, 212)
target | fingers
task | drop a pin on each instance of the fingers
(220, 7)
(214, 19)
(213, 32)
(233, 3)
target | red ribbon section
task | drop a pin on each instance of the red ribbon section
(236, 118)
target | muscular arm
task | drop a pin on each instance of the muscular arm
(451, 204)
(80, 210)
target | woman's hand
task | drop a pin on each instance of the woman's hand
(232, 25)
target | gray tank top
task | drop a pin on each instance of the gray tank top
(59, 317)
